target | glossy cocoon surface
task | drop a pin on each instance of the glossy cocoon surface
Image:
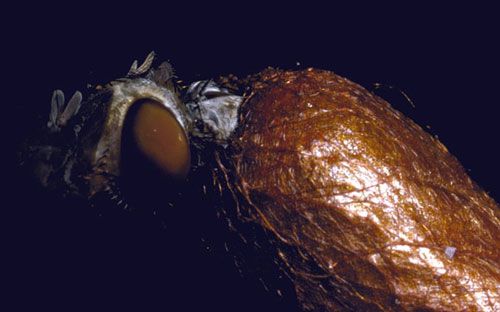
(375, 214)
(161, 139)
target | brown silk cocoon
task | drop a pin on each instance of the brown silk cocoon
(387, 216)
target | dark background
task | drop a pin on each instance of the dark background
(65, 257)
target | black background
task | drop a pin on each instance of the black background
(62, 257)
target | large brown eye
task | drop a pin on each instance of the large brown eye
(159, 137)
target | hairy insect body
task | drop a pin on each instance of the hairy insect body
(388, 217)
(361, 209)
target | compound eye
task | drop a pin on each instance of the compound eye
(159, 137)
